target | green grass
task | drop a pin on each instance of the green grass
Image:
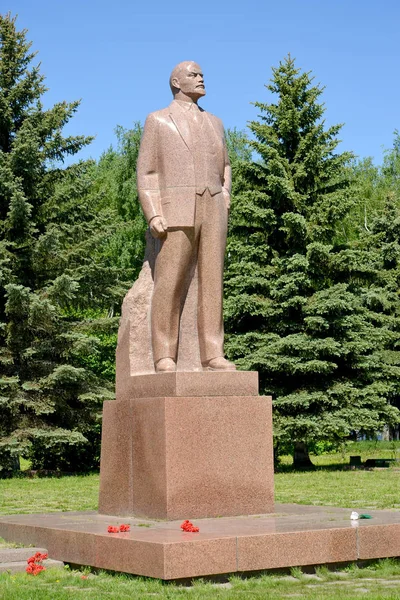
(378, 581)
(334, 484)
(48, 494)
(353, 489)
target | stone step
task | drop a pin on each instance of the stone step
(14, 560)
(20, 566)
(8, 555)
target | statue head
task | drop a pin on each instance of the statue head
(187, 81)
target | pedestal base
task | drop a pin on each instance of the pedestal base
(184, 457)
(294, 536)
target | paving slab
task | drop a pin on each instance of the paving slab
(8, 555)
(295, 535)
(20, 567)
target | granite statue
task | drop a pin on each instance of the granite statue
(184, 184)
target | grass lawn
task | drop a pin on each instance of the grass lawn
(362, 489)
(330, 484)
(378, 581)
(48, 494)
(334, 484)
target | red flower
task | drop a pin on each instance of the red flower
(38, 557)
(123, 527)
(188, 526)
(34, 569)
(34, 564)
(112, 529)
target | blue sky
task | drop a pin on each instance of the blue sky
(117, 56)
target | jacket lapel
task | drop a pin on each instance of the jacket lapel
(181, 123)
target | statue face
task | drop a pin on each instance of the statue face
(190, 81)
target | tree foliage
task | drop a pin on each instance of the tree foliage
(58, 283)
(374, 184)
(297, 305)
(115, 180)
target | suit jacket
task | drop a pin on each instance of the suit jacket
(165, 169)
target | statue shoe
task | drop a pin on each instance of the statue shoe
(165, 365)
(219, 364)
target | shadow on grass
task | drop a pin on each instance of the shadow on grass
(280, 468)
(46, 474)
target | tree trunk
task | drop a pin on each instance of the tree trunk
(301, 458)
(386, 433)
(9, 465)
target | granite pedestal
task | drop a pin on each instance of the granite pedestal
(187, 445)
(293, 536)
(197, 446)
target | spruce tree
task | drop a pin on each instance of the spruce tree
(56, 284)
(381, 241)
(296, 307)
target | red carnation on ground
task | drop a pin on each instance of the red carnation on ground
(188, 526)
(35, 563)
(121, 529)
(112, 529)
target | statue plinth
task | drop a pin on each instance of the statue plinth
(187, 445)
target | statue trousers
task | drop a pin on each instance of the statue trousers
(203, 245)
